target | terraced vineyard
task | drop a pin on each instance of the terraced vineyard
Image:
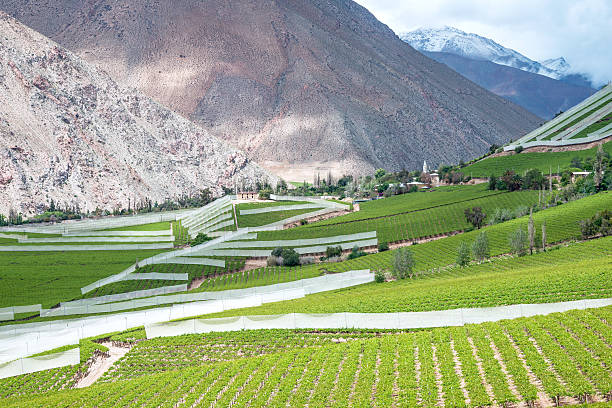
(520, 163)
(578, 271)
(51, 277)
(418, 224)
(557, 358)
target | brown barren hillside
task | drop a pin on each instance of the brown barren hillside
(295, 84)
(69, 133)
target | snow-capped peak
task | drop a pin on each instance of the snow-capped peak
(454, 41)
(558, 65)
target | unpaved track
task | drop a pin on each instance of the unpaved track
(101, 365)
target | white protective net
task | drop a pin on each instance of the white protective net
(40, 363)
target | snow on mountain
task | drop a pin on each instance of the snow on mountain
(454, 41)
(559, 65)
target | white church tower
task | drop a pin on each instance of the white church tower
(425, 169)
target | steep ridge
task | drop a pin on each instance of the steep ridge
(296, 85)
(70, 133)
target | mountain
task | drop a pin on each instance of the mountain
(70, 133)
(538, 94)
(454, 41)
(299, 86)
(542, 88)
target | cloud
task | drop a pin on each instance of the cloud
(579, 30)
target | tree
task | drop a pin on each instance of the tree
(290, 257)
(403, 263)
(333, 251)
(544, 235)
(383, 246)
(599, 166)
(534, 180)
(512, 180)
(379, 173)
(517, 241)
(492, 182)
(475, 216)
(480, 247)
(464, 254)
(531, 232)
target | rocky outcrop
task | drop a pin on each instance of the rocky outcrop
(295, 84)
(69, 133)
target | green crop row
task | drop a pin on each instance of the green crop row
(512, 361)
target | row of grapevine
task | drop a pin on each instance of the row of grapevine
(516, 361)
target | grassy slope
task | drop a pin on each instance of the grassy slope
(156, 226)
(50, 277)
(424, 223)
(525, 161)
(576, 272)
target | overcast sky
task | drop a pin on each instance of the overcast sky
(579, 30)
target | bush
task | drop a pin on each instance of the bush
(200, 239)
(290, 257)
(500, 215)
(333, 252)
(475, 216)
(600, 223)
(274, 261)
(278, 252)
(518, 149)
(307, 260)
(464, 254)
(379, 276)
(403, 263)
(480, 247)
(518, 242)
(303, 221)
(264, 194)
(383, 246)
(356, 253)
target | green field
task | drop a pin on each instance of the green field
(411, 225)
(520, 163)
(575, 272)
(256, 220)
(157, 226)
(523, 360)
(51, 277)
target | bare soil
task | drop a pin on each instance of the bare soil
(102, 364)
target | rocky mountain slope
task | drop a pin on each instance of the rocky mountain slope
(69, 133)
(297, 85)
(539, 94)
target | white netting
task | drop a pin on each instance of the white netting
(294, 242)
(166, 233)
(157, 276)
(40, 363)
(55, 248)
(193, 261)
(6, 315)
(279, 208)
(165, 238)
(37, 341)
(491, 314)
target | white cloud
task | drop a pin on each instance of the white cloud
(579, 30)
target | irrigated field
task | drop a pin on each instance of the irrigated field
(563, 357)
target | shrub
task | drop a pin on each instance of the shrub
(274, 261)
(200, 239)
(518, 149)
(518, 242)
(500, 215)
(403, 263)
(290, 257)
(475, 216)
(379, 276)
(464, 254)
(333, 252)
(356, 253)
(303, 221)
(493, 182)
(480, 247)
(600, 223)
(278, 251)
(383, 246)
(307, 260)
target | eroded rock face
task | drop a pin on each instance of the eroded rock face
(70, 133)
(292, 83)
